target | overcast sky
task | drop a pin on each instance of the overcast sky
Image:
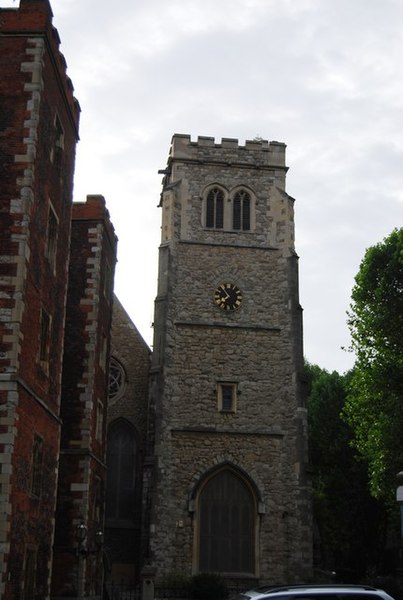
(323, 76)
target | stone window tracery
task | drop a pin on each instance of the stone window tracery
(117, 380)
(232, 211)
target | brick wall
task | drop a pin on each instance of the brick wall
(38, 133)
(82, 469)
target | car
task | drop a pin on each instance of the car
(315, 592)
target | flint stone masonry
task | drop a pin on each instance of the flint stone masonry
(257, 347)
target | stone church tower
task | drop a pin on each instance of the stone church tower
(227, 484)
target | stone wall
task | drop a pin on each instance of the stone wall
(257, 348)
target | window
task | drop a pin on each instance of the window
(57, 150)
(241, 211)
(51, 245)
(233, 212)
(215, 208)
(103, 352)
(117, 380)
(100, 421)
(37, 466)
(108, 281)
(30, 575)
(44, 338)
(226, 525)
(226, 397)
(121, 469)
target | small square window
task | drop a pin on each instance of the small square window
(227, 396)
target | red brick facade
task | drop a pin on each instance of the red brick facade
(38, 133)
(82, 469)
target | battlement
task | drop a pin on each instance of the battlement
(229, 149)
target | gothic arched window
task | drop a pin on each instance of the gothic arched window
(121, 471)
(227, 516)
(117, 380)
(215, 208)
(241, 208)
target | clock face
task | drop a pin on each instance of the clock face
(228, 296)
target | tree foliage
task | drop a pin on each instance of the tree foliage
(374, 407)
(348, 521)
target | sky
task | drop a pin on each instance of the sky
(323, 76)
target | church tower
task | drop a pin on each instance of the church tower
(228, 436)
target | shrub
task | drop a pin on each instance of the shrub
(208, 586)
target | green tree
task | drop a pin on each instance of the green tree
(348, 521)
(374, 407)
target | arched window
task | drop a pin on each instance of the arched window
(121, 471)
(226, 525)
(241, 211)
(117, 380)
(215, 208)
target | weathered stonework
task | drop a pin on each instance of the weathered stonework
(258, 348)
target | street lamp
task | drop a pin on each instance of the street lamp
(81, 535)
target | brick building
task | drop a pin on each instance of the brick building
(82, 468)
(205, 468)
(38, 133)
(52, 410)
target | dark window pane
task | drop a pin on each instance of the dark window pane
(215, 209)
(241, 211)
(210, 210)
(121, 464)
(246, 213)
(227, 397)
(37, 466)
(236, 221)
(219, 211)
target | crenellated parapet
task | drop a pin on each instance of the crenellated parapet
(260, 152)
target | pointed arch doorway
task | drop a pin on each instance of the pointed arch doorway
(226, 524)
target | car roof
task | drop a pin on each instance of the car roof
(317, 588)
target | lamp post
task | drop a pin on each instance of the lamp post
(81, 536)
(83, 551)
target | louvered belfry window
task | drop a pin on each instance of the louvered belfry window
(215, 209)
(241, 211)
(227, 516)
